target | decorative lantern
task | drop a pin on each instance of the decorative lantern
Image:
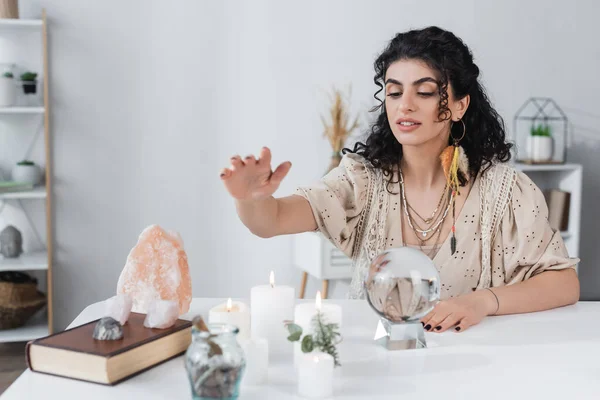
(540, 128)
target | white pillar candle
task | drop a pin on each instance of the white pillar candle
(234, 313)
(270, 306)
(304, 314)
(315, 375)
(256, 351)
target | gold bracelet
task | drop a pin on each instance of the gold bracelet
(497, 301)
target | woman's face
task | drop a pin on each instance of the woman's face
(412, 104)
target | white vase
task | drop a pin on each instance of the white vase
(8, 92)
(540, 148)
(27, 174)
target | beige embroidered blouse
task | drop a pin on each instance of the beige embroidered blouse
(523, 246)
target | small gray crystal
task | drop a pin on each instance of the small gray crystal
(108, 329)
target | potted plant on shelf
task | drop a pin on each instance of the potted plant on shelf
(27, 171)
(29, 82)
(540, 143)
(8, 91)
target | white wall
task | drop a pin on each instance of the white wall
(150, 98)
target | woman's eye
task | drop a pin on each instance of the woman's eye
(426, 94)
(394, 94)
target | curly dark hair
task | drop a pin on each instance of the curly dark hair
(485, 139)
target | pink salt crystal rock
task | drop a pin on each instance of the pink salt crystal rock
(119, 307)
(161, 314)
(157, 269)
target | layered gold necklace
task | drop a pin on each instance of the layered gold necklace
(432, 225)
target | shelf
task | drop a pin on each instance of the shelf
(35, 193)
(546, 167)
(8, 24)
(35, 328)
(21, 110)
(541, 118)
(37, 260)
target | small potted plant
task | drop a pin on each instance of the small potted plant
(8, 91)
(540, 144)
(27, 171)
(29, 82)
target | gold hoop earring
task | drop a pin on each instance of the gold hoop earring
(456, 141)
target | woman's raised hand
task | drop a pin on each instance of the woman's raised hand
(253, 179)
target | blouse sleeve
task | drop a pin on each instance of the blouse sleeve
(338, 200)
(526, 245)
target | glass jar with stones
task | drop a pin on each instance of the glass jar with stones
(214, 361)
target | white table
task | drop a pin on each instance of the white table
(548, 355)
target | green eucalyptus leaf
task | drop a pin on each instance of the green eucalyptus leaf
(294, 328)
(294, 337)
(307, 344)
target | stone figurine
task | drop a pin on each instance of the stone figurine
(11, 242)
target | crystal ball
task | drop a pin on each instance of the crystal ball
(402, 285)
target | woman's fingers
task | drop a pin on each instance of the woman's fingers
(280, 173)
(264, 158)
(225, 173)
(463, 325)
(425, 320)
(236, 163)
(449, 322)
(432, 320)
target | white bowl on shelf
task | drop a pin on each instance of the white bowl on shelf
(27, 174)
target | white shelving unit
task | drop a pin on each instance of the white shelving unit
(35, 193)
(318, 257)
(21, 24)
(567, 177)
(21, 110)
(34, 261)
(36, 327)
(38, 262)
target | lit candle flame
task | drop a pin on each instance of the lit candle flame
(318, 301)
(272, 279)
(229, 305)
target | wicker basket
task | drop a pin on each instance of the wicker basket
(14, 317)
(19, 301)
(12, 293)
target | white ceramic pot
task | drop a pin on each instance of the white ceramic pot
(8, 92)
(540, 148)
(27, 173)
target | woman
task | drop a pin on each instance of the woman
(430, 175)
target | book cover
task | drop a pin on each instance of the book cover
(75, 354)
